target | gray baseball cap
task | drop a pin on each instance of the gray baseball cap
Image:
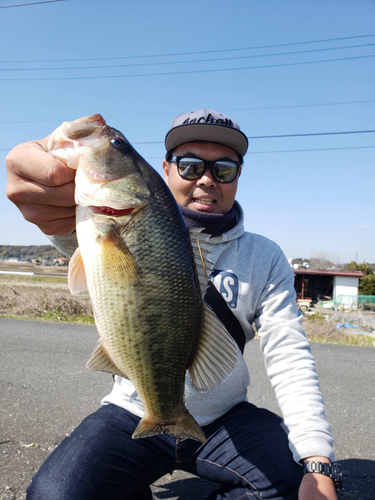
(206, 125)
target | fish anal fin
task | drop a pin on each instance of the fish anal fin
(76, 273)
(186, 427)
(216, 354)
(100, 361)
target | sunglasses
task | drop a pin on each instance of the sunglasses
(191, 168)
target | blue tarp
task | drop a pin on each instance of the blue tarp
(346, 325)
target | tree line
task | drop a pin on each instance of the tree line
(367, 282)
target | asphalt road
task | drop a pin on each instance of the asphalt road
(46, 391)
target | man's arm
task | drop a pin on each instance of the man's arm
(41, 187)
(316, 486)
(291, 369)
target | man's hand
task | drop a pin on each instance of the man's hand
(316, 486)
(41, 187)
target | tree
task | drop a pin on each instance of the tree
(367, 285)
(367, 282)
(352, 266)
(365, 268)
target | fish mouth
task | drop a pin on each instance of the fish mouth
(112, 212)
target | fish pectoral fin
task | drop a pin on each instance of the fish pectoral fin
(117, 256)
(101, 362)
(216, 355)
(76, 273)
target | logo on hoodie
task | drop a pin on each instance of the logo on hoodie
(227, 284)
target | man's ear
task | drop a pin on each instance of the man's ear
(166, 171)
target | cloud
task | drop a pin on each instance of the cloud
(362, 227)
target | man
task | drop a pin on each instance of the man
(249, 451)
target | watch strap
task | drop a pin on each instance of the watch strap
(330, 470)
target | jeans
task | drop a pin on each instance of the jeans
(246, 452)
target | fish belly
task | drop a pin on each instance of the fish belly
(148, 315)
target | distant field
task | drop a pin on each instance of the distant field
(46, 296)
(28, 267)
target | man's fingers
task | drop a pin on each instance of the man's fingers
(41, 187)
(59, 226)
(50, 219)
(40, 214)
(31, 162)
(22, 192)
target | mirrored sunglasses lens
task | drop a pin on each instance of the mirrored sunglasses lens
(225, 171)
(190, 168)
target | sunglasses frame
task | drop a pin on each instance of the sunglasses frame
(207, 163)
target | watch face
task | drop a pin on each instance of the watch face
(337, 476)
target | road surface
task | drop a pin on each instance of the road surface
(46, 392)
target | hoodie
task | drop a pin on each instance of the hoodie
(254, 277)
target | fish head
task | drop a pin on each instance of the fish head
(108, 174)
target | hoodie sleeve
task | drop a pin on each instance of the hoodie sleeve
(290, 364)
(66, 243)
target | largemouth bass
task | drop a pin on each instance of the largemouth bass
(136, 259)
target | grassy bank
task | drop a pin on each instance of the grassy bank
(318, 329)
(51, 304)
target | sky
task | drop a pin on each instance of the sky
(278, 67)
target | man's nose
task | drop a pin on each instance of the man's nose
(207, 179)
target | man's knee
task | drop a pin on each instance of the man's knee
(50, 487)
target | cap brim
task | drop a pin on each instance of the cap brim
(221, 134)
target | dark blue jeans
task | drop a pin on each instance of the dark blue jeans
(246, 452)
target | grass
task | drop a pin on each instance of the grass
(42, 303)
(55, 316)
(41, 279)
(83, 319)
(321, 331)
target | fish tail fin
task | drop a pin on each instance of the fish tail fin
(186, 427)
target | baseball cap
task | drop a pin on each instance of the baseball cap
(206, 125)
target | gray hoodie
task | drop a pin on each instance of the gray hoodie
(254, 277)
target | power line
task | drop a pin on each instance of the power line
(273, 151)
(171, 73)
(252, 108)
(312, 149)
(190, 61)
(339, 103)
(313, 134)
(255, 137)
(254, 47)
(285, 151)
(33, 3)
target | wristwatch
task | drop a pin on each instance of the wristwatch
(330, 470)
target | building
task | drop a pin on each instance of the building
(312, 285)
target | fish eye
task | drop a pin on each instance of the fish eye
(118, 142)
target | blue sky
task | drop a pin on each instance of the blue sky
(312, 203)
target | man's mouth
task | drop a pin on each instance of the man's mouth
(204, 201)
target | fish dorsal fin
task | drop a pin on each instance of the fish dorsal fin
(202, 253)
(216, 355)
(76, 273)
(100, 361)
